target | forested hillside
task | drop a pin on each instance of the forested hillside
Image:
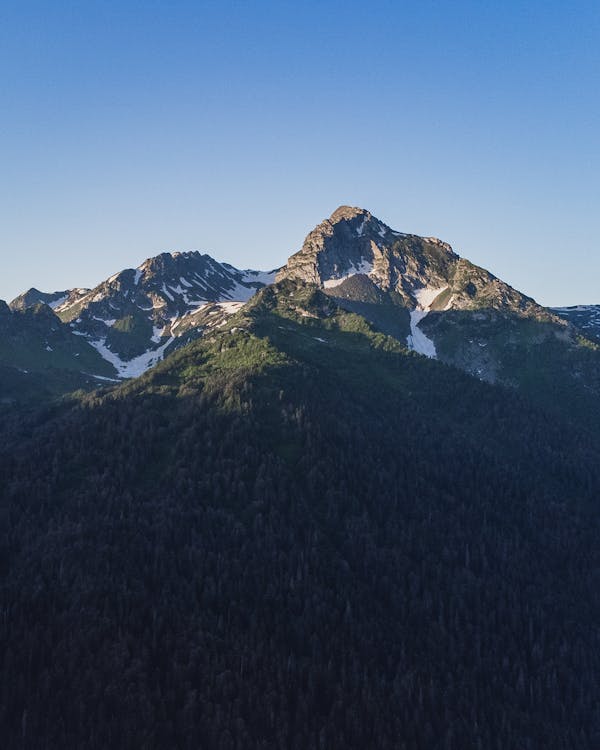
(295, 533)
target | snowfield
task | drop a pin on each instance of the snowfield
(133, 367)
(417, 340)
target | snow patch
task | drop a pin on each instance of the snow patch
(156, 334)
(230, 307)
(138, 276)
(168, 294)
(74, 296)
(102, 377)
(199, 306)
(364, 267)
(417, 340)
(576, 308)
(134, 367)
(58, 302)
(426, 296)
(108, 323)
(239, 292)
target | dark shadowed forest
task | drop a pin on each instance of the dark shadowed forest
(263, 544)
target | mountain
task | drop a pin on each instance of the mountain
(294, 530)
(423, 273)
(420, 291)
(40, 358)
(397, 279)
(133, 318)
(33, 297)
(416, 289)
(296, 533)
(584, 317)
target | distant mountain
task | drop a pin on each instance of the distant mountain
(136, 316)
(33, 297)
(585, 317)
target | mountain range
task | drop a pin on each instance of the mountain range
(121, 327)
(349, 504)
(416, 289)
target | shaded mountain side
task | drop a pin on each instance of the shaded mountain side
(41, 358)
(553, 366)
(384, 309)
(556, 367)
(295, 533)
(584, 317)
(25, 390)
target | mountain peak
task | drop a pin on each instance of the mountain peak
(347, 213)
(354, 243)
(33, 296)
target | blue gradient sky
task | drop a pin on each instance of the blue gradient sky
(129, 128)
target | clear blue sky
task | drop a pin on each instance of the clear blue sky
(129, 128)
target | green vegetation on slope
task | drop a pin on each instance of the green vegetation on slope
(296, 534)
(130, 336)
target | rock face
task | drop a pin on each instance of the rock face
(354, 242)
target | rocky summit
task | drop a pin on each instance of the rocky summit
(423, 271)
(420, 291)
